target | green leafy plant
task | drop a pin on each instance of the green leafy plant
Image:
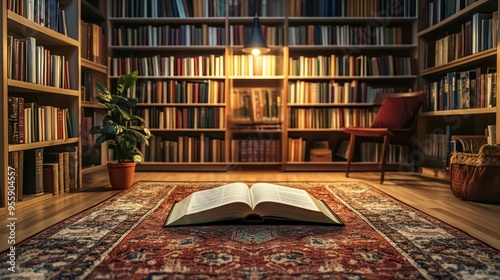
(120, 129)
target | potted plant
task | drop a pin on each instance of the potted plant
(121, 130)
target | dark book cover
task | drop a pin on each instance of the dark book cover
(33, 171)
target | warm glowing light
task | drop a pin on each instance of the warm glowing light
(255, 51)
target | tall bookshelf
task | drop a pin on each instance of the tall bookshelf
(458, 69)
(94, 63)
(52, 84)
(381, 48)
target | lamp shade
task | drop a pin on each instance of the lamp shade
(255, 44)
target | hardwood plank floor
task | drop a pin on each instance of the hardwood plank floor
(430, 195)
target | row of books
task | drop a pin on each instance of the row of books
(256, 65)
(350, 65)
(437, 10)
(255, 150)
(258, 105)
(168, 8)
(30, 122)
(93, 42)
(371, 152)
(476, 35)
(166, 35)
(37, 171)
(262, 8)
(188, 117)
(165, 66)
(47, 13)
(184, 149)
(305, 92)
(344, 35)
(178, 92)
(273, 35)
(29, 62)
(439, 145)
(89, 78)
(352, 8)
(329, 118)
(462, 90)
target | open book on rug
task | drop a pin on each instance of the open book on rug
(260, 202)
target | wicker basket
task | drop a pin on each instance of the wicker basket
(476, 176)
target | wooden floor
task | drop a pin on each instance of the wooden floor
(427, 194)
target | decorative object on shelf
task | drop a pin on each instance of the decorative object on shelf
(256, 44)
(121, 130)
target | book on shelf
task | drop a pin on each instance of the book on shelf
(51, 178)
(491, 134)
(258, 203)
(467, 143)
(33, 171)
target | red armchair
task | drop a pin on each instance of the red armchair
(395, 123)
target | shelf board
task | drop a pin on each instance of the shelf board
(91, 104)
(343, 47)
(262, 20)
(21, 86)
(183, 130)
(340, 105)
(94, 66)
(473, 59)
(338, 166)
(392, 77)
(29, 146)
(181, 104)
(277, 77)
(192, 48)
(44, 36)
(167, 20)
(182, 166)
(473, 111)
(192, 78)
(94, 168)
(314, 130)
(379, 20)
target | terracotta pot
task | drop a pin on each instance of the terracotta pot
(121, 175)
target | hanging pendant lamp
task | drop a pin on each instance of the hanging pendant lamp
(255, 44)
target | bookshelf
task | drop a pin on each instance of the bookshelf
(40, 74)
(459, 55)
(94, 61)
(381, 48)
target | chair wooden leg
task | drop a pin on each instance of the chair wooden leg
(350, 154)
(383, 158)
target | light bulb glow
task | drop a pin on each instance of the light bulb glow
(255, 51)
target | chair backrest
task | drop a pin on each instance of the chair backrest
(398, 110)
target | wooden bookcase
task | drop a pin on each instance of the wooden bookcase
(458, 72)
(94, 63)
(34, 86)
(296, 33)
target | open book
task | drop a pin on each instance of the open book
(257, 203)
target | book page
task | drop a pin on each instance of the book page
(212, 198)
(265, 192)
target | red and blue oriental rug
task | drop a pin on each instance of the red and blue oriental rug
(124, 238)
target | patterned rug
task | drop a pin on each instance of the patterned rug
(124, 238)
